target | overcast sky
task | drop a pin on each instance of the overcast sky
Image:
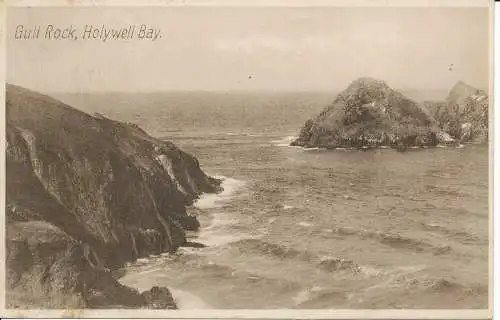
(286, 49)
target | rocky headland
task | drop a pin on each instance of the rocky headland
(463, 114)
(368, 113)
(84, 195)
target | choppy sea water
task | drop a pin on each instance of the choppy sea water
(317, 229)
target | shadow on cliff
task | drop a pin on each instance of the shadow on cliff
(84, 195)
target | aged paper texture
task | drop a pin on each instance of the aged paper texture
(213, 159)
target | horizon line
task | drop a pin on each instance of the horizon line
(227, 91)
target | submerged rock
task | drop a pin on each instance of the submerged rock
(337, 264)
(159, 298)
(84, 195)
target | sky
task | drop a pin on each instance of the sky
(253, 48)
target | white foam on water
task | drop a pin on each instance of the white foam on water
(371, 271)
(141, 273)
(137, 279)
(211, 200)
(305, 224)
(285, 142)
(434, 224)
(218, 239)
(188, 250)
(216, 235)
(311, 149)
(187, 300)
(411, 268)
(302, 296)
(305, 294)
(219, 219)
(286, 207)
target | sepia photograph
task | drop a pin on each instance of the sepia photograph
(248, 158)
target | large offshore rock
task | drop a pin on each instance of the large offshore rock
(369, 112)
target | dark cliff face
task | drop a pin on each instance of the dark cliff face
(85, 194)
(369, 112)
(463, 114)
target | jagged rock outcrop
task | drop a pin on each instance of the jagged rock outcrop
(84, 195)
(463, 114)
(368, 112)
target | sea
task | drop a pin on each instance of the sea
(302, 228)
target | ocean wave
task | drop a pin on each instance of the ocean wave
(398, 241)
(312, 149)
(324, 263)
(257, 246)
(320, 298)
(220, 239)
(285, 142)
(187, 300)
(216, 233)
(411, 280)
(459, 235)
(188, 250)
(395, 240)
(305, 295)
(229, 185)
(343, 231)
(339, 264)
(442, 285)
(216, 271)
(218, 220)
(305, 224)
(142, 261)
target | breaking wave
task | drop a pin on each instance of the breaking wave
(210, 200)
(395, 240)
